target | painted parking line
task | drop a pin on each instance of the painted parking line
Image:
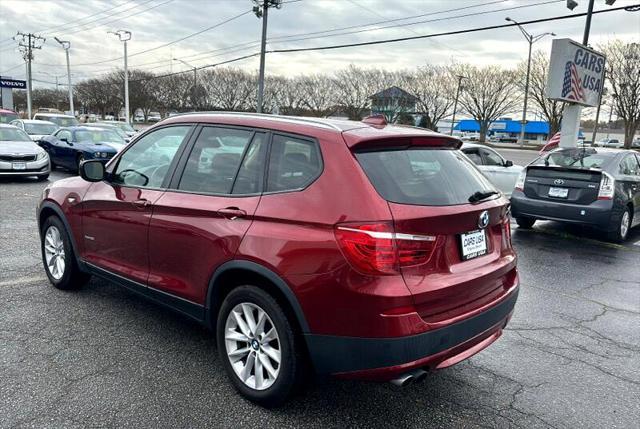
(22, 280)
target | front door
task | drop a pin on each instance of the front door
(117, 211)
(198, 224)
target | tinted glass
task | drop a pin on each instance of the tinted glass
(98, 136)
(629, 166)
(6, 117)
(64, 134)
(13, 134)
(249, 178)
(575, 158)
(42, 129)
(491, 158)
(428, 177)
(293, 164)
(473, 155)
(214, 160)
(147, 161)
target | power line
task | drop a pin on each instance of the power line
(85, 17)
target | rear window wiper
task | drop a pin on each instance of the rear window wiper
(481, 195)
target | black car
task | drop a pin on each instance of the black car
(591, 186)
(69, 146)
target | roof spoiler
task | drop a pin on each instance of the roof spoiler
(375, 120)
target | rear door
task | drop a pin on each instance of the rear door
(428, 191)
(198, 224)
(502, 176)
(630, 178)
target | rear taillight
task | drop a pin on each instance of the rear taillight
(375, 248)
(506, 231)
(607, 187)
(520, 182)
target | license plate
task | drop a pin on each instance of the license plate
(473, 244)
(19, 166)
(558, 192)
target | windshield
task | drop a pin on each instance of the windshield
(13, 134)
(41, 129)
(60, 121)
(113, 128)
(98, 136)
(427, 177)
(125, 127)
(574, 158)
(6, 117)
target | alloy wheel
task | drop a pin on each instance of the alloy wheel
(624, 224)
(253, 346)
(54, 252)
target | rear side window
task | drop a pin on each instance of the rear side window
(294, 163)
(629, 166)
(427, 177)
(214, 160)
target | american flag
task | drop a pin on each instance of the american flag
(553, 143)
(572, 87)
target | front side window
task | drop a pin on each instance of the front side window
(146, 162)
(492, 158)
(294, 163)
(64, 135)
(214, 160)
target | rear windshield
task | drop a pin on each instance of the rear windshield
(420, 176)
(61, 121)
(574, 158)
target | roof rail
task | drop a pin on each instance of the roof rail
(303, 119)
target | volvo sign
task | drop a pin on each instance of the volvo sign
(576, 73)
(13, 83)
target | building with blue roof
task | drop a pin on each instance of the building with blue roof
(506, 129)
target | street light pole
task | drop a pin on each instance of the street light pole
(195, 80)
(455, 103)
(262, 11)
(66, 45)
(124, 37)
(531, 40)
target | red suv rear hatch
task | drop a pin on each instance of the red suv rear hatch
(469, 262)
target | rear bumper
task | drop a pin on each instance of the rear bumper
(384, 358)
(596, 214)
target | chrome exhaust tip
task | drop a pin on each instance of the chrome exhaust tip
(403, 380)
(419, 375)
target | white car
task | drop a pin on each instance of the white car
(501, 172)
(613, 143)
(36, 129)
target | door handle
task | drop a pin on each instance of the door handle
(232, 213)
(141, 203)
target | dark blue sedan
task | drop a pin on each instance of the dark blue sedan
(69, 146)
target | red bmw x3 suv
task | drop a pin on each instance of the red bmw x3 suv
(357, 249)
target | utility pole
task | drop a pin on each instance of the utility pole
(27, 43)
(124, 37)
(66, 45)
(455, 103)
(261, 9)
(195, 82)
(531, 40)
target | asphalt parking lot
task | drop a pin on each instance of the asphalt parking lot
(102, 357)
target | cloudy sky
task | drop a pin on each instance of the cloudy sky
(203, 32)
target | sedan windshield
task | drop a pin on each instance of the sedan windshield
(13, 134)
(98, 136)
(61, 121)
(39, 129)
(125, 127)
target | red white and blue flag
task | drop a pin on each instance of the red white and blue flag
(572, 87)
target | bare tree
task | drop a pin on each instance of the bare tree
(551, 109)
(623, 73)
(99, 94)
(317, 93)
(434, 86)
(354, 86)
(233, 89)
(488, 93)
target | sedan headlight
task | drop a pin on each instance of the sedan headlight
(41, 155)
(101, 154)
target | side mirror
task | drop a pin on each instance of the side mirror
(92, 170)
(508, 163)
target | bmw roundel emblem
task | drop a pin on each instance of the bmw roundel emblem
(483, 220)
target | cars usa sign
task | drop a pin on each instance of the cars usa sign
(576, 73)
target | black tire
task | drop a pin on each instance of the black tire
(72, 277)
(80, 159)
(615, 233)
(43, 177)
(525, 222)
(291, 368)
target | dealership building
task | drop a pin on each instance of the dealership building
(508, 129)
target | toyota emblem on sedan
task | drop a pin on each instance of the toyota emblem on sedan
(483, 220)
(558, 182)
